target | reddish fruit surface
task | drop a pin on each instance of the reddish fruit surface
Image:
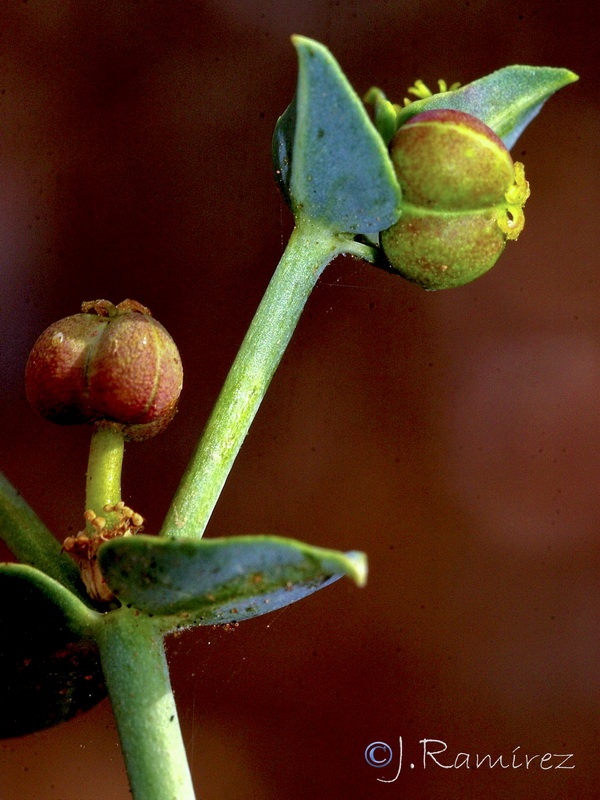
(446, 159)
(117, 364)
(458, 181)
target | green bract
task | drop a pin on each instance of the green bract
(461, 199)
(506, 100)
(330, 162)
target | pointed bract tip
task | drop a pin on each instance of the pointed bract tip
(360, 567)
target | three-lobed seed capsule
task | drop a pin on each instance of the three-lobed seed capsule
(462, 198)
(113, 363)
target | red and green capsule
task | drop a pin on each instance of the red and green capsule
(462, 199)
(112, 363)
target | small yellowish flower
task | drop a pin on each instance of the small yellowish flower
(420, 90)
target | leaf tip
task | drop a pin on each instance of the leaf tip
(305, 43)
(308, 49)
(358, 567)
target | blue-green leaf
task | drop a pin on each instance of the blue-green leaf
(49, 663)
(330, 162)
(31, 542)
(283, 150)
(507, 100)
(213, 581)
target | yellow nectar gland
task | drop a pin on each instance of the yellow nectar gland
(513, 221)
(84, 549)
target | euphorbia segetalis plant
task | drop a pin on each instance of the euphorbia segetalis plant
(428, 190)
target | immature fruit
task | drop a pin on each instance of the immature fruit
(113, 363)
(462, 198)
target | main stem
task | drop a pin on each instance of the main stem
(137, 678)
(309, 250)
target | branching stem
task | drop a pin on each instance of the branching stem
(309, 250)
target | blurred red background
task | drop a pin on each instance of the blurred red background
(452, 436)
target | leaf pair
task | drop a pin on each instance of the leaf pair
(331, 162)
(49, 662)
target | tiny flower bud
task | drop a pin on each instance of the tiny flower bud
(112, 363)
(462, 198)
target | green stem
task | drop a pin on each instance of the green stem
(103, 485)
(309, 250)
(31, 542)
(137, 679)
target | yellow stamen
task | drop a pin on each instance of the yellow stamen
(420, 90)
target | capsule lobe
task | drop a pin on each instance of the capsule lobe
(458, 199)
(116, 364)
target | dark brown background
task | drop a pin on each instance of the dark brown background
(452, 436)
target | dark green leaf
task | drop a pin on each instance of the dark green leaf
(330, 162)
(507, 100)
(31, 542)
(49, 664)
(212, 581)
